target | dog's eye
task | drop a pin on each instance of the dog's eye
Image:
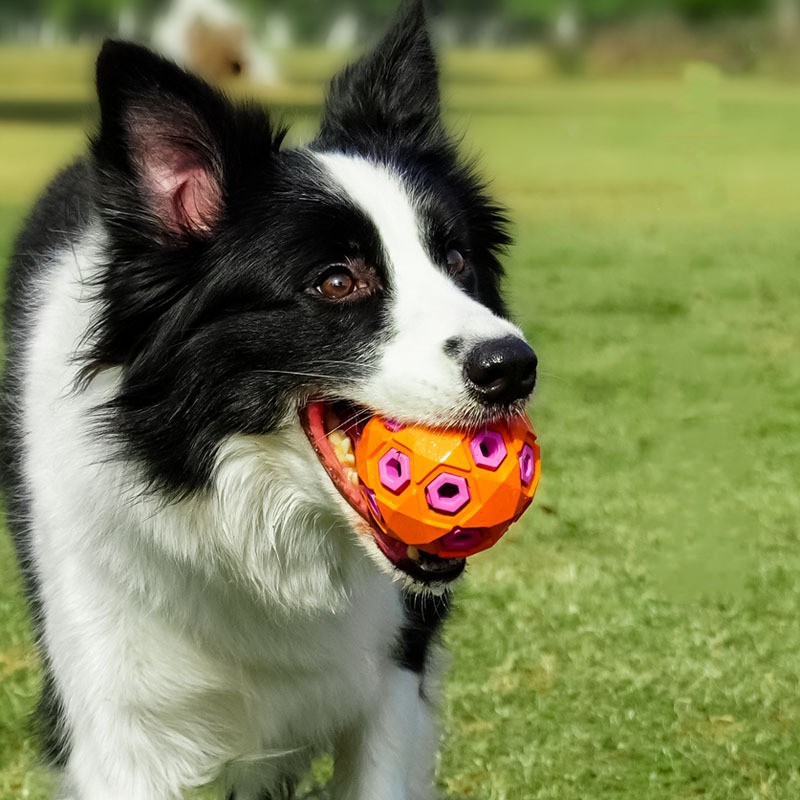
(456, 263)
(348, 281)
(458, 266)
(338, 285)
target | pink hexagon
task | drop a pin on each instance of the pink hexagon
(462, 539)
(372, 502)
(488, 449)
(447, 493)
(527, 465)
(394, 469)
(393, 425)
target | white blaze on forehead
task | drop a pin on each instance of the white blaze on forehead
(415, 377)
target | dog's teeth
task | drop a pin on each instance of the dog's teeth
(342, 447)
(337, 438)
(413, 552)
(352, 476)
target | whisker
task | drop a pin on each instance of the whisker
(552, 375)
(326, 362)
(297, 374)
(354, 419)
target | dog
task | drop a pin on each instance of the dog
(192, 310)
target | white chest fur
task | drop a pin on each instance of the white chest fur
(233, 625)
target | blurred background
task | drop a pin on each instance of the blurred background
(637, 635)
(593, 36)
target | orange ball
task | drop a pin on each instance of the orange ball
(449, 492)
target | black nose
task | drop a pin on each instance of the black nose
(501, 370)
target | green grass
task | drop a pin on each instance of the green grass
(636, 636)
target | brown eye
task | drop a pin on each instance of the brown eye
(337, 286)
(455, 262)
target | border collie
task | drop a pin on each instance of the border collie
(192, 309)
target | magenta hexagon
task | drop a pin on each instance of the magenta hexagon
(527, 465)
(488, 449)
(462, 539)
(447, 493)
(372, 502)
(393, 425)
(394, 469)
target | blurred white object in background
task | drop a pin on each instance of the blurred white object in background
(344, 32)
(787, 16)
(448, 30)
(49, 34)
(214, 39)
(278, 33)
(490, 33)
(567, 27)
(127, 23)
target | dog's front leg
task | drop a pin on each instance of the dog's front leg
(390, 753)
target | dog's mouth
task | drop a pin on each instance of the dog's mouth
(334, 430)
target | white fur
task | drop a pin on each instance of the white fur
(231, 635)
(415, 379)
(224, 637)
(371, 761)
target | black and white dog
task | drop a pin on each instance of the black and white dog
(192, 310)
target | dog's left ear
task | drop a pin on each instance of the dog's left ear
(170, 145)
(391, 95)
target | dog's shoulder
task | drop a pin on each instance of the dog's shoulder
(59, 216)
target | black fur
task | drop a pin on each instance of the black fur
(286, 791)
(425, 616)
(213, 323)
(171, 298)
(388, 103)
(387, 107)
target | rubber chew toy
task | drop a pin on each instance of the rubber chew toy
(451, 493)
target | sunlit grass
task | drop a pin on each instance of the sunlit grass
(636, 636)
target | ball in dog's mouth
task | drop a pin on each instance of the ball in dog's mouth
(334, 430)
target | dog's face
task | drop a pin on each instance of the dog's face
(252, 290)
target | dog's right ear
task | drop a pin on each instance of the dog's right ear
(168, 136)
(391, 95)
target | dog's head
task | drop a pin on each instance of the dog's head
(253, 290)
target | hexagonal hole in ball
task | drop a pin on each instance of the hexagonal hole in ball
(488, 449)
(394, 469)
(447, 493)
(527, 465)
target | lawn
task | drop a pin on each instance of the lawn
(637, 635)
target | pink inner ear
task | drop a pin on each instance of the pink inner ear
(186, 195)
(173, 157)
